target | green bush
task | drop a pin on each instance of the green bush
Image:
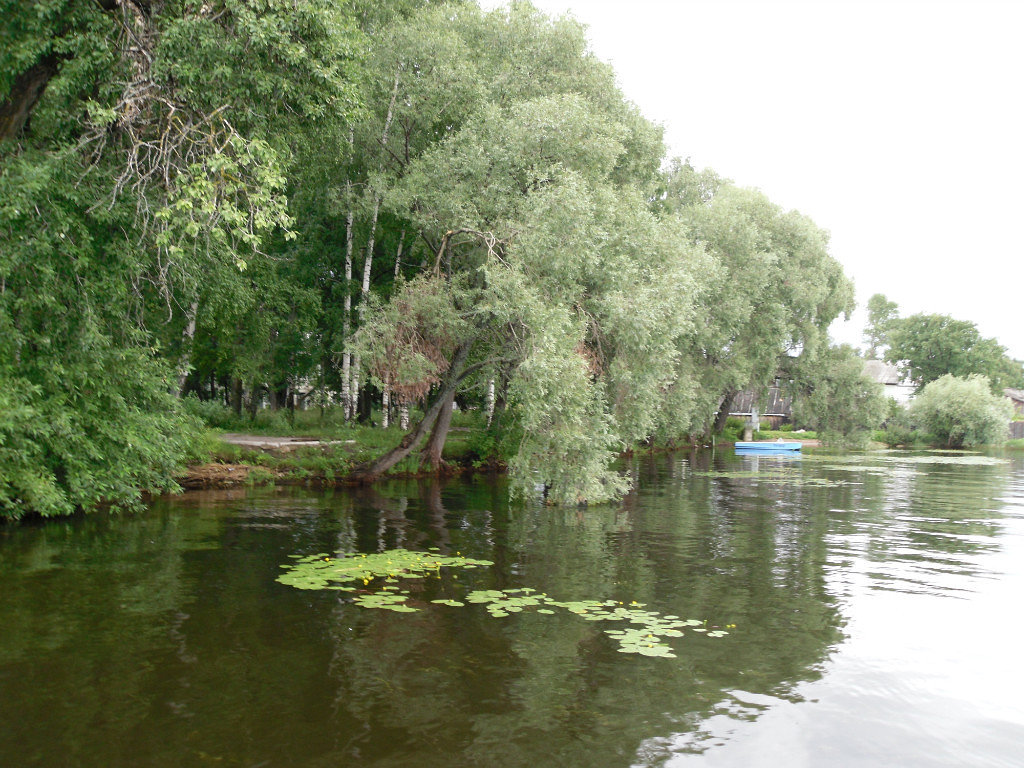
(734, 423)
(106, 432)
(962, 412)
(211, 412)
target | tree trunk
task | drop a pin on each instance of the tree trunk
(723, 412)
(254, 398)
(385, 398)
(430, 460)
(398, 256)
(354, 387)
(403, 416)
(368, 261)
(25, 93)
(346, 322)
(236, 397)
(490, 401)
(365, 410)
(376, 468)
(187, 336)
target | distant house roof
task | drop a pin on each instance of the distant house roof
(1015, 394)
(883, 372)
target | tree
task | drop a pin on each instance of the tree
(832, 395)
(928, 347)
(769, 293)
(881, 312)
(962, 412)
(557, 271)
(137, 181)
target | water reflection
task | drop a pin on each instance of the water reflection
(164, 639)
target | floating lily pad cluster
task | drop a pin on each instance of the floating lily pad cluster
(323, 571)
(646, 636)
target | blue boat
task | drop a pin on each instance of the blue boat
(779, 446)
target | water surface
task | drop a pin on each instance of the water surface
(875, 597)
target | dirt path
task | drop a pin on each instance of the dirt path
(268, 443)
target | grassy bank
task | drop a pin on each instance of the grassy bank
(343, 447)
(346, 445)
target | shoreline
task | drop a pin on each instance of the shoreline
(213, 475)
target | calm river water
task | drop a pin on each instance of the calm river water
(876, 600)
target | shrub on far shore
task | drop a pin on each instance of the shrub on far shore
(962, 412)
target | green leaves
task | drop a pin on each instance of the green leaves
(932, 346)
(646, 637)
(833, 395)
(962, 412)
(322, 570)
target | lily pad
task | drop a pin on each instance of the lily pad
(644, 633)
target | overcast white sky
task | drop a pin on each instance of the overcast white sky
(898, 126)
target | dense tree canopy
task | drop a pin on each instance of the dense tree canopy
(411, 201)
(833, 395)
(932, 346)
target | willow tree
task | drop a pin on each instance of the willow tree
(771, 295)
(428, 73)
(834, 396)
(558, 271)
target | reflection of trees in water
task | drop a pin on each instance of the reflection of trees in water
(170, 630)
(931, 525)
(539, 689)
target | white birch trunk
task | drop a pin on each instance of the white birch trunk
(346, 323)
(398, 256)
(187, 336)
(354, 392)
(368, 261)
(386, 405)
(403, 417)
(490, 401)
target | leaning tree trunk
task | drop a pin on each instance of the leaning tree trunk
(723, 412)
(375, 469)
(430, 460)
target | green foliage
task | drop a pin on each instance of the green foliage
(932, 346)
(198, 181)
(407, 342)
(833, 395)
(107, 433)
(785, 434)
(755, 313)
(386, 569)
(881, 312)
(962, 412)
(212, 413)
(143, 183)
